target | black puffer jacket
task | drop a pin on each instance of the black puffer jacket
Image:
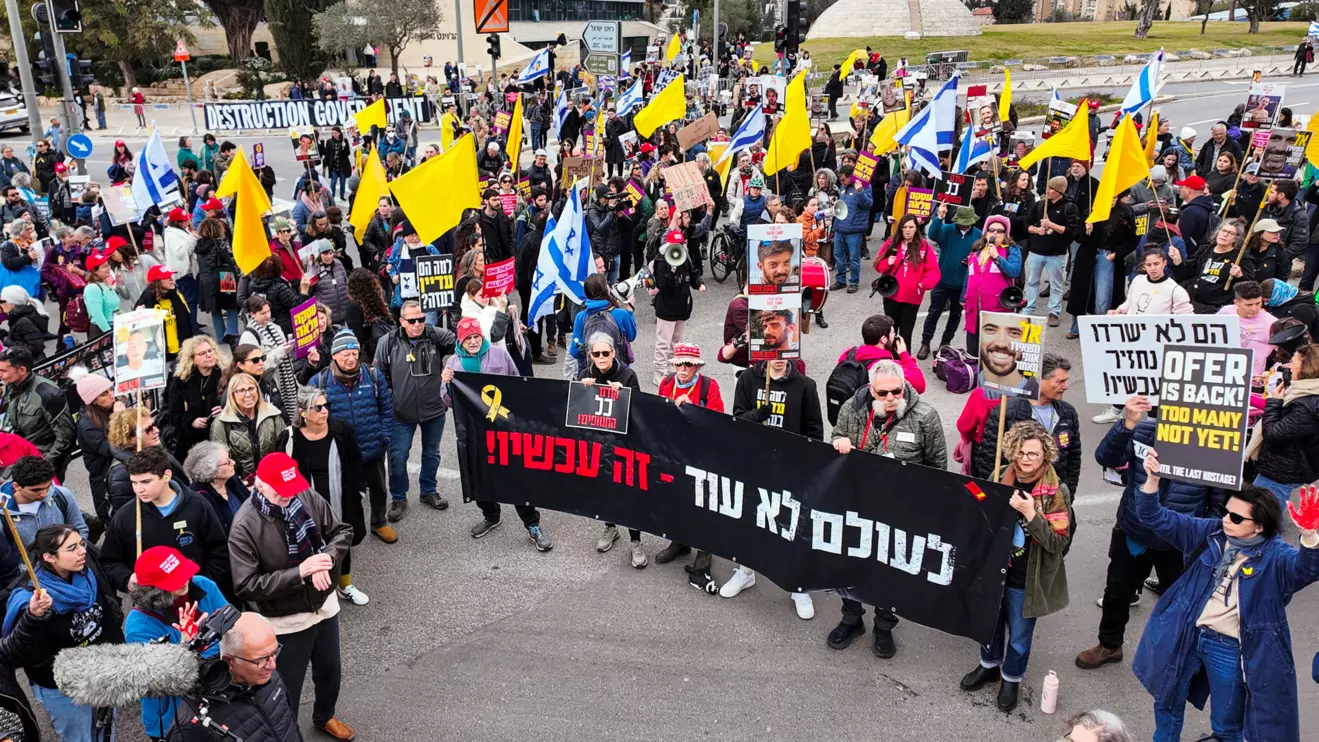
(214, 257)
(28, 329)
(604, 227)
(255, 714)
(1290, 454)
(282, 297)
(1067, 432)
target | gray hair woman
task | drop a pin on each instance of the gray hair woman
(1096, 726)
(213, 476)
(1214, 266)
(603, 367)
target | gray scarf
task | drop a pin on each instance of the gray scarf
(1231, 550)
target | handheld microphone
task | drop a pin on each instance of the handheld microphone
(105, 675)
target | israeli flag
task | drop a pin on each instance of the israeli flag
(539, 66)
(630, 98)
(565, 259)
(1145, 86)
(561, 109)
(1314, 29)
(154, 181)
(751, 131)
(931, 130)
(626, 64)
(973, 150)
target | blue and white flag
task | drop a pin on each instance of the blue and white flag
(930, 131)
(633, 96)
(626, 64)
(750, 132)
(1145, 86)
(974, 149)
(561, 109)
(154, 181)
(539, 66)
(565, 259)
(1314, 29)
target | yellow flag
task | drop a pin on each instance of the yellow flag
(434, 194)
(372, 115)
(668, 105)
(882, 141)
(1312, 149)
(446, 131)
(373, 186)
(1073, 142)
(250, 245)
(515, 138)
(849, 63)
(1125, 167)
(1152, 136)
(716, 150)
(1005, 98)
(675, 47)
(792, 136)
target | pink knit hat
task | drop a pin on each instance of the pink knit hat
(1000, 220)
(92, 386)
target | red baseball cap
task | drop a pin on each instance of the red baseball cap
(165, 568)
(61, 167)
(1195, 183)
(159, 273)
(280, 472)
(97, 259)
(177, 214)
(213, 205)
(647, 147)
(114, 243)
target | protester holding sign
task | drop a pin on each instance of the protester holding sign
(955, 238)
(604, 367)
(1286, 442)
(1050, 411)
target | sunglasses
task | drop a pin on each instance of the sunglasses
(1237, 518)
(996, 231)
(285, 231)
(601, 353)
(414, 320)
(255, 359)
(320, 407)
(883, 393)
(685, 364)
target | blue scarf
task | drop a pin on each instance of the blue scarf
(1231, 549)
(74, 596)
(471, 362)
(1283, 292)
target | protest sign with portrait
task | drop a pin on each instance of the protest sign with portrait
(774, 258)
(1011, 352)
(773, 327)
(139, 350)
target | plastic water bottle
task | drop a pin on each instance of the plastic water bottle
(1049, 699)
(68, 342)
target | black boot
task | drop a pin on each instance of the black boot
(976, 679)
(924, 351)
(819, 319)
(843, 634)
(884, 647)
(671, 552)
(1007, 695)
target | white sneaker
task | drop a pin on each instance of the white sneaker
(1107, 417)
(805, 606)
(742, 579)
(353, 595)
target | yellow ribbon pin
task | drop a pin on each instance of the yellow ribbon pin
(1247, 571)
(492, 397)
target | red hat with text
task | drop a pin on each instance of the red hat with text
(163, 567)
(1195, 183)
(159, 273)
(177, 214)
(213, 204)
(97, 259)
(675, 237)
(61, 167)
(280, 472)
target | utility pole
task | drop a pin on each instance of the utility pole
(41, 14)
(458, 18)
(24, 70)
(714, 31)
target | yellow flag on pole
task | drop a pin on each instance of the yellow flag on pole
(1126, 166)
(1005, 98)
(250, 245)
(1152, 136)
(670, 104)
(515, 138)
(849, 63)
(792, 136)
(1312, 149)
(372, 115)
(434, 194)
(373, 186)
(881, 140)
(716, 151)
(1072, 143)
(446, 131)
(675, 47)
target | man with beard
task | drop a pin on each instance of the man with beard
(774, 262)
(777, 329)
(998, 359)
(1057, 417)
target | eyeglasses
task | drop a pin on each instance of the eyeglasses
(883, 393)
(1030, 455)
(996, 231)
(246, 390)
(1237, 518)
(601, 353)
(152, 428)
(255, 359)
(259, 661)
(685, 364)
(414, 320)
(320, 407)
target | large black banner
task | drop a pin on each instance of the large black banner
(284, 114)
(931, 545)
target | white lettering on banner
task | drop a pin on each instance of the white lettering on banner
(285, 114)
(828, 534)
(1122, 354)
(709, 494)
(767, 513)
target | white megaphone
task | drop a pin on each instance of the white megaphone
(840, 210)
(675, 254)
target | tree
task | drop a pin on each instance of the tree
(129, 32)
(1014, 11)
(1149, 10)
(240, 19)
(1202, 8)
(351, 24)
(1257, 11)
(290, 26)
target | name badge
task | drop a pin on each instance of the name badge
(906, 437)
(180, 524)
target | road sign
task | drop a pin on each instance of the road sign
(603, 37)
(601, 64)
(181, 52)
(79, 146)
(491, 16)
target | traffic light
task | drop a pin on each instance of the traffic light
(797, 25)
(46, 71)
(66, 15)
(80, 72)
(780, 38)
(493, 41)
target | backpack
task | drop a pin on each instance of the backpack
(847, 377)
(604, 322)
(1195, 242)
(957, 369)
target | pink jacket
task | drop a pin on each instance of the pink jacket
(913, 280)
(983, 285)
(868, 355)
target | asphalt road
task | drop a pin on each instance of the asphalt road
(490, 640)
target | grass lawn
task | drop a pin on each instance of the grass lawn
(1058, 39)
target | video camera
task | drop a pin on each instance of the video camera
(213, 673)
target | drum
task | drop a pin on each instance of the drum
(814, 283)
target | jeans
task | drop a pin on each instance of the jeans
(319, 647)
(1103, 277)
(535, 136)
(72, 721)
(847, 256)
(941, 296)
(1037, 264)
(1221, 658)
(1126, 572)
(377, 490)
(1011, 621)
(100, 119)
(1281, 491)
(338, 180)
(400, 445)
(224, 322)
(1311, 272)
(611, 270)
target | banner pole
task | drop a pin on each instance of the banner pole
(18, 541)
(998, 446)
(1246, 237)
(137, 501)
(1227, 202)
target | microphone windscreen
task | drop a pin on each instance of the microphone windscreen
(105, 675)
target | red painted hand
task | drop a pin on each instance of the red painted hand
(1307, 516)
